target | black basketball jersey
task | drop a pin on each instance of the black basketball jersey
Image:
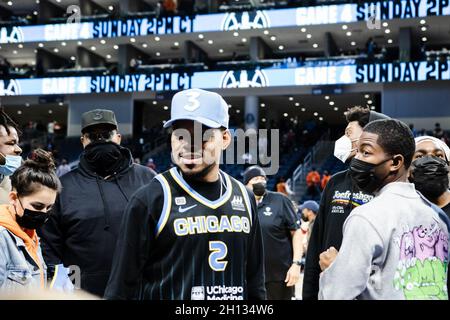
(201, 247)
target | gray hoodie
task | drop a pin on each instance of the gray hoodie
(395, 247)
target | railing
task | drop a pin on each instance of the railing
(314, 157)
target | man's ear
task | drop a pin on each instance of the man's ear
(397, 162)
(226, 136)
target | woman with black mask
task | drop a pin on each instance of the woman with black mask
(34, 189)
(430, 171)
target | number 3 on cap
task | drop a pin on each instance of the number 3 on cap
(219, 251)
(194, 104)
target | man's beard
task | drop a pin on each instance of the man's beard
(198, 175)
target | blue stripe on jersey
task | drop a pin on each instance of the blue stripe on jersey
(167, 204)
(246, 200)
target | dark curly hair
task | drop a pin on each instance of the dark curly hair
(358, 113)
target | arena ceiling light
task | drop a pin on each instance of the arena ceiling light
(19, 111)
(132, 40)
(115, 47)
(79, 43)
(387, 31)
(155, 102)
(60, 104)
(297, 104)
(320, 118)
(327, 97)
(157, 38)
(315, 45)
(424, 39)
(41, 45)
(236, 34)
(423, 21)
(291, 98)
(108, 56)
(158, 54)
(14, 51)
(144, 45)
(220, 50)
(331, 103)
(176, 44)
(390, 41)
(266, 32)
(308, 36)
(50, 111)
(210, 41)
(285, 115)
(63, 44)
(20, 46)
(316, 114)
(385, 24)
(93, 48)
(35, 13)
(111, 8)
(72, 58)
(367, 96)
(344, 27)
(238, 111)
(369, 101)
(353, 43)
(56, 50)
(303, 30)
(280, 47)
(103, 41)
(262, 105)
(166, 108)
(263, 120)
(10, 3)
(273, 38)
(244, 40)
(201, 36)
(349, 33)
(303, 109)
(335, 108)
(423, 28)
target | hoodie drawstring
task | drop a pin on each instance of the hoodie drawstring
(120, 188)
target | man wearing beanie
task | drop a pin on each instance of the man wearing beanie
(281, 236)
(339, 198)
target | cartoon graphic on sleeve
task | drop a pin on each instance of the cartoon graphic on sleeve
(422, 269)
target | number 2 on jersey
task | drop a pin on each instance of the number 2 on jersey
(219, 251)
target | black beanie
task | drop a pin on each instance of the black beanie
(253, 171)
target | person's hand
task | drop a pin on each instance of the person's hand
(292, 275)
(327, 258)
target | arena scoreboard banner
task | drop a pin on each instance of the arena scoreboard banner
(304, 16)
(258, 78)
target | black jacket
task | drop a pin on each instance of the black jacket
(339, 198)
(86, 218)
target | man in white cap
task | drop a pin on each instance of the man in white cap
(430, 171)
(193, 232)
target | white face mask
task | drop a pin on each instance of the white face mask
(343, 148)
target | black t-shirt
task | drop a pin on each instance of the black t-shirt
(277, 218)
(181, 242)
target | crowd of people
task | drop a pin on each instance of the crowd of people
(180, 234)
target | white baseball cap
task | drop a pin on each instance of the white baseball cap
(206, 107)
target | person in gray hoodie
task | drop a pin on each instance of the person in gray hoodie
(395, 246)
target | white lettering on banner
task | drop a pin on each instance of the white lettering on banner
(65, 85)
(66, 31)
(325, 14)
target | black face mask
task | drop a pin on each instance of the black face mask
(104, 157)
(259, 189)
(32, 219)
(364, 176)
(430, 176)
